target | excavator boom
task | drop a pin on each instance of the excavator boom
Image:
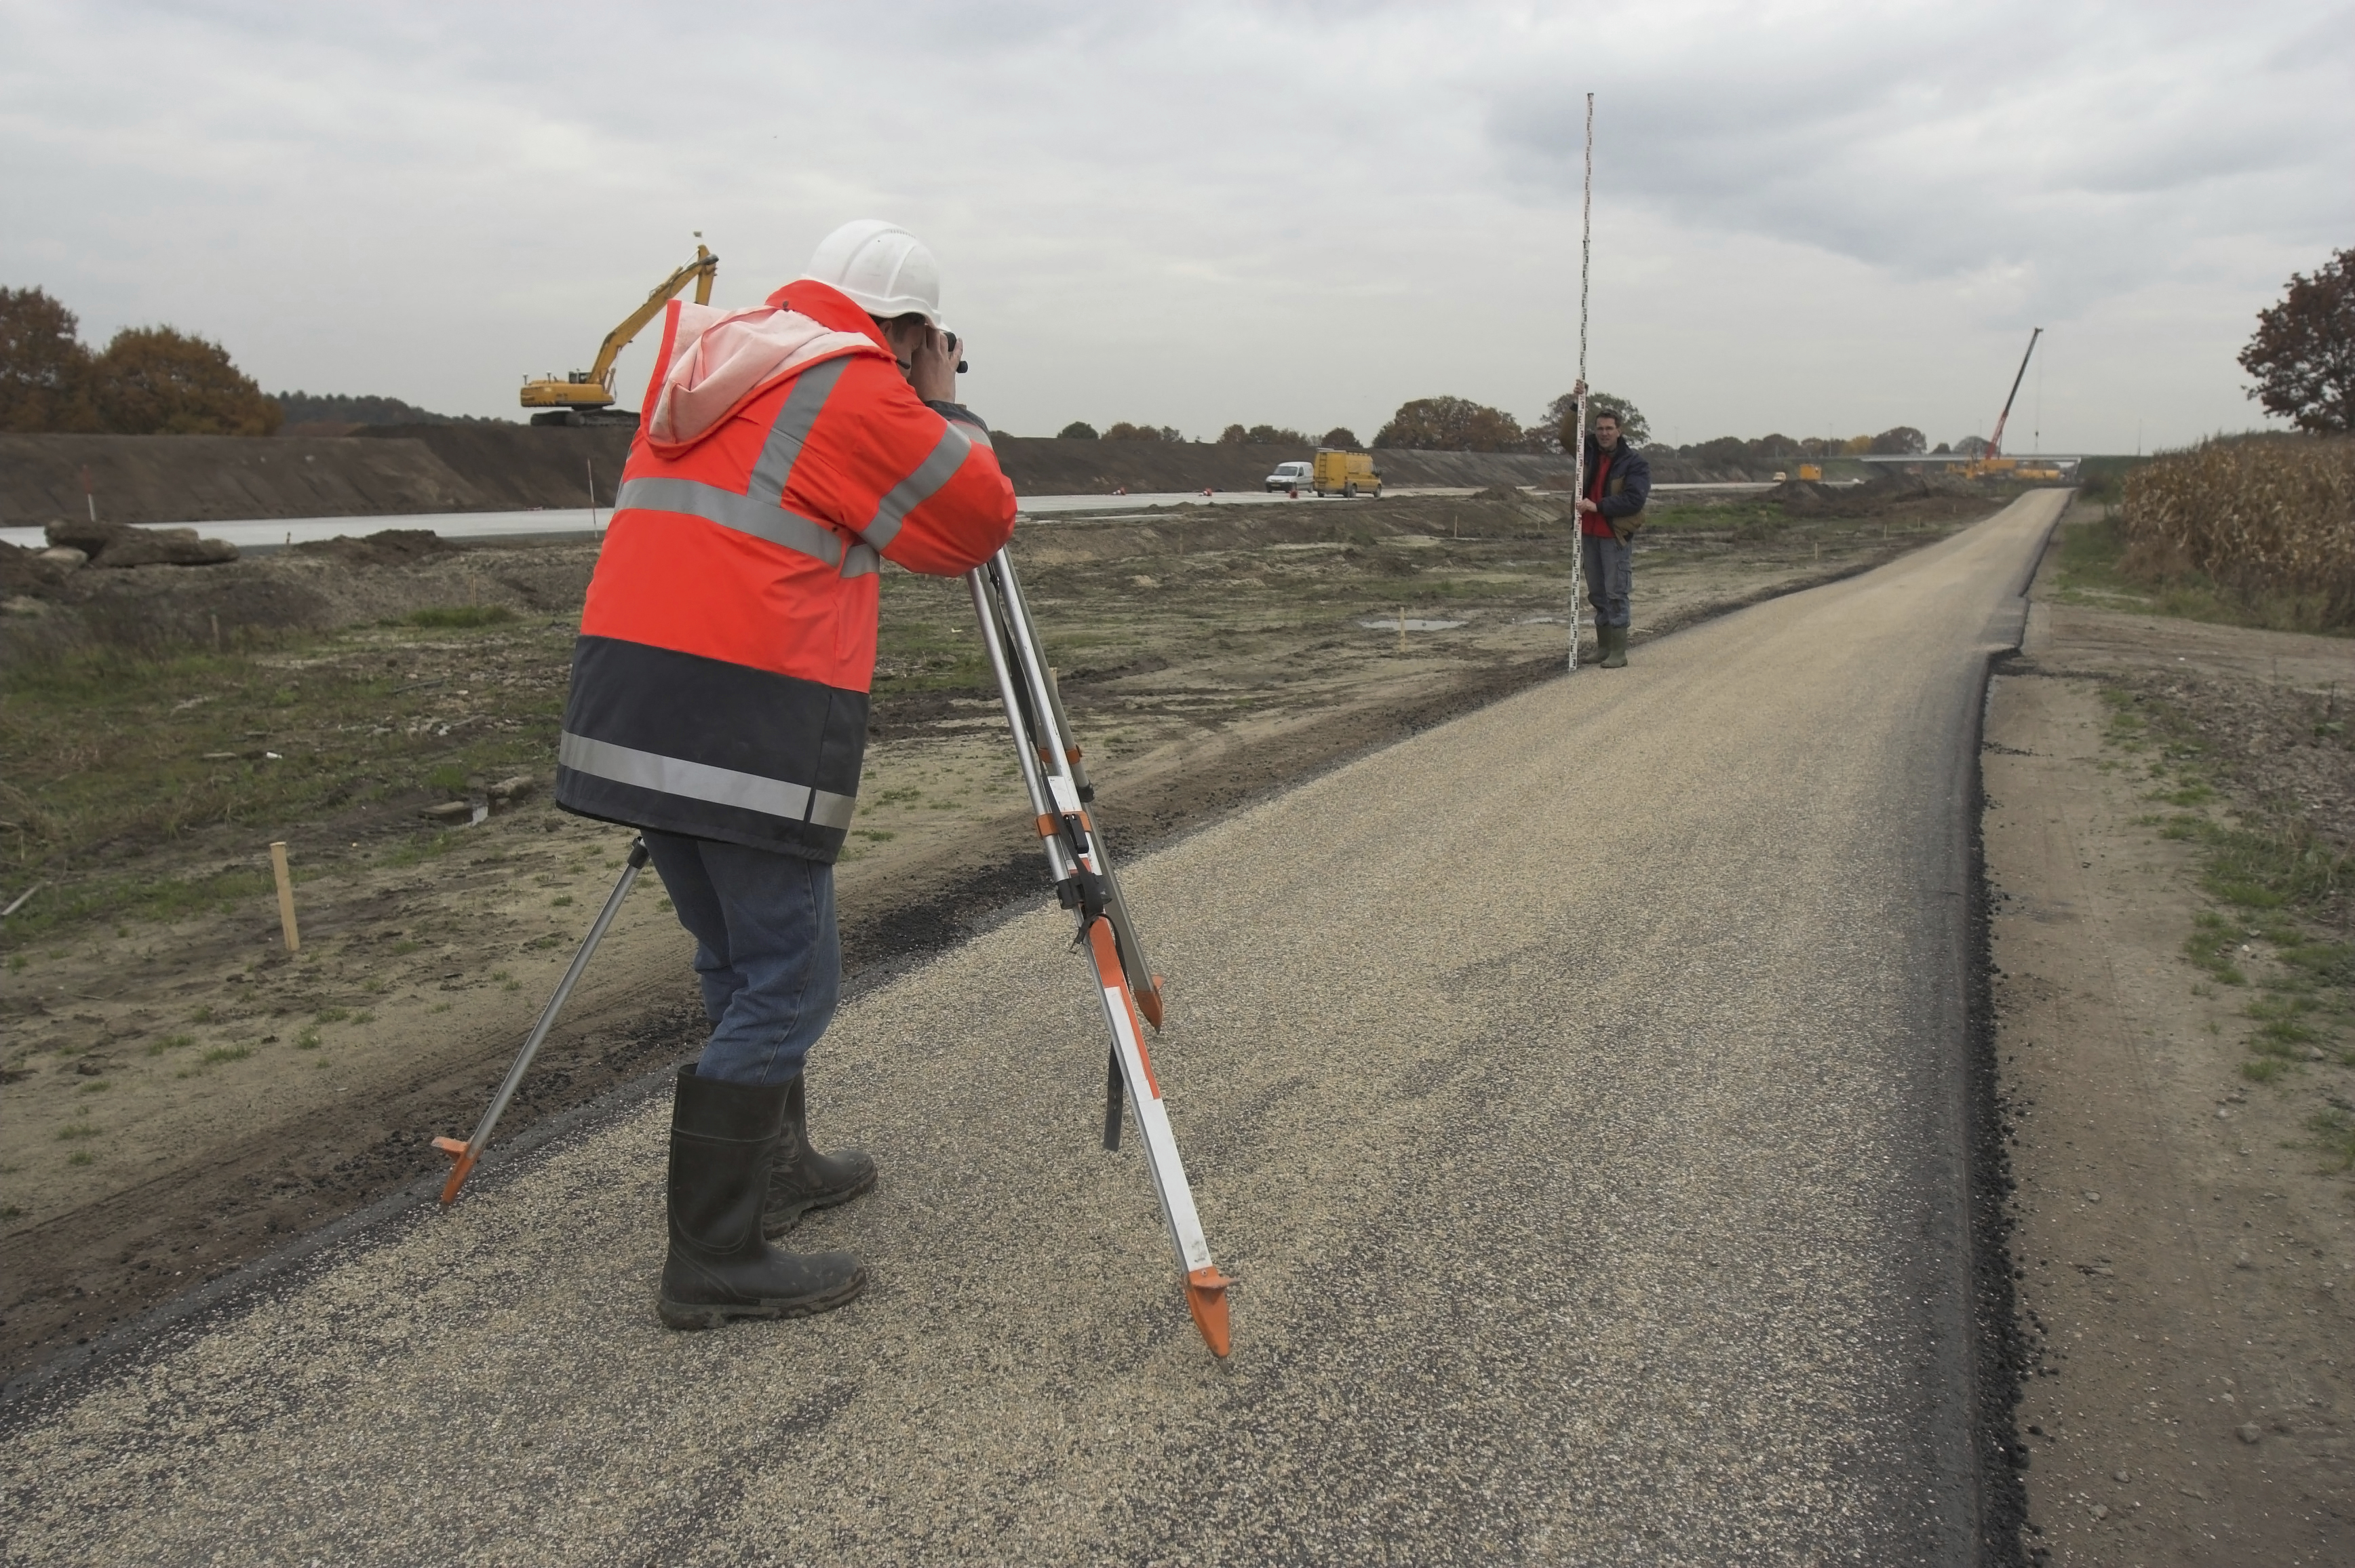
(587, 392)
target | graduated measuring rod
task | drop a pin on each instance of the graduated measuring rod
(1086, 883)
(465, 1154)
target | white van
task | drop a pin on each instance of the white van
(1293, 476)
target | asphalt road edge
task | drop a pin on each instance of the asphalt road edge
(2002, 1359)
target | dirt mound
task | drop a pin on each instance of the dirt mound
(386, 547)
(120, 545)
(23, 573)
(1884, 494)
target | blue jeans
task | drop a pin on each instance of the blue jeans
(1610, 578)
(766, 950)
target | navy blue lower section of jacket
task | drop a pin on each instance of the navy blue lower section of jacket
(687, 744)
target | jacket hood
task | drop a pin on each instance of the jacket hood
(714, 361)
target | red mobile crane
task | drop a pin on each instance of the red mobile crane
(1993, 460)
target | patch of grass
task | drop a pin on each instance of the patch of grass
(221, 1053)
(461, 616)
(876, 835)
(171, 1043)
(542, 943)
(450, 778)
(419, 850)
(82, 1157)
(2211, 946)
(307, 1041)
(203, 1015)
(330, 1015)
(105, 744)
(97, 1086)
(561, 900)
(364, 1017)
(74, 1132)
(374, 986)
(2334, 1135)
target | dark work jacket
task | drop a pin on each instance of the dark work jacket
(1628, 484)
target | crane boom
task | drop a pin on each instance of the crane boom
(584, 395)
(1995, 442)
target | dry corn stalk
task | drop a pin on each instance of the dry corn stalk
(2259, 515)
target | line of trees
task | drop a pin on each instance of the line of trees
(148, 380)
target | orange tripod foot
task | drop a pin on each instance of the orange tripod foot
(1206, 1297)
(456, 1149)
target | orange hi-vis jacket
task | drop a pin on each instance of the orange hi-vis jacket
(719, 684)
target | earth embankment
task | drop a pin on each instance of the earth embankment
(395, 470)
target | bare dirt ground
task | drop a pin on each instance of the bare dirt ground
(182, 1096)
(2170, 809)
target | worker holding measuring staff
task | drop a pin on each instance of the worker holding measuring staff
(1618, 482)
(719, 697)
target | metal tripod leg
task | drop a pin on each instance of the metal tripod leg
(465, 1154)
(1080, 867)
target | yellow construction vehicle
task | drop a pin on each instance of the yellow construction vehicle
(586, 397)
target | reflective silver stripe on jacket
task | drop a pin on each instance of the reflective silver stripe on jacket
(775, 470)
(744, 514)
(760, 510)
(946, 457)
(701, 781)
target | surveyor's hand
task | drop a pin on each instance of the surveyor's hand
(1585, 507)
(932, 370)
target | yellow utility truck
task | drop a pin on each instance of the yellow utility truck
(586, 397)
(1341, 473)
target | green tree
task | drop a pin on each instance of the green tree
(1125, 431)
(1562, 412)
(1233, 435)
(1342, 436)
(1450, 425)
(2303, 355)
(45, 370)
(1274, 435)
(1903, 441)
(1078, 429)
(154, 380)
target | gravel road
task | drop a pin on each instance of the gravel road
(1577, 1089)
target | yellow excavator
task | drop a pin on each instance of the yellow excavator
(586, 397)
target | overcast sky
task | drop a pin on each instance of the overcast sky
(1807, 218)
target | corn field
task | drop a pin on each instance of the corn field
(2262, 518)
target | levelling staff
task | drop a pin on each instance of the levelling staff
(1618, 483)
(719, 703)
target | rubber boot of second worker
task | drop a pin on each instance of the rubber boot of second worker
(801, 1178)
(723, 1139)
(1615, 646)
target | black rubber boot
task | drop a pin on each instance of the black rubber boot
(1615, 646)
(801, 1178)
(723, 1137)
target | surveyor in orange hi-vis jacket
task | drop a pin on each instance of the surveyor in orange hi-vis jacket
(719, 703)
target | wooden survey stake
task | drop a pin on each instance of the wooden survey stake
(285, 896)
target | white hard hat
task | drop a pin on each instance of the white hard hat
(885, 270)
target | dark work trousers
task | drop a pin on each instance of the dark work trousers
(1610, 577)
(765, 948)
